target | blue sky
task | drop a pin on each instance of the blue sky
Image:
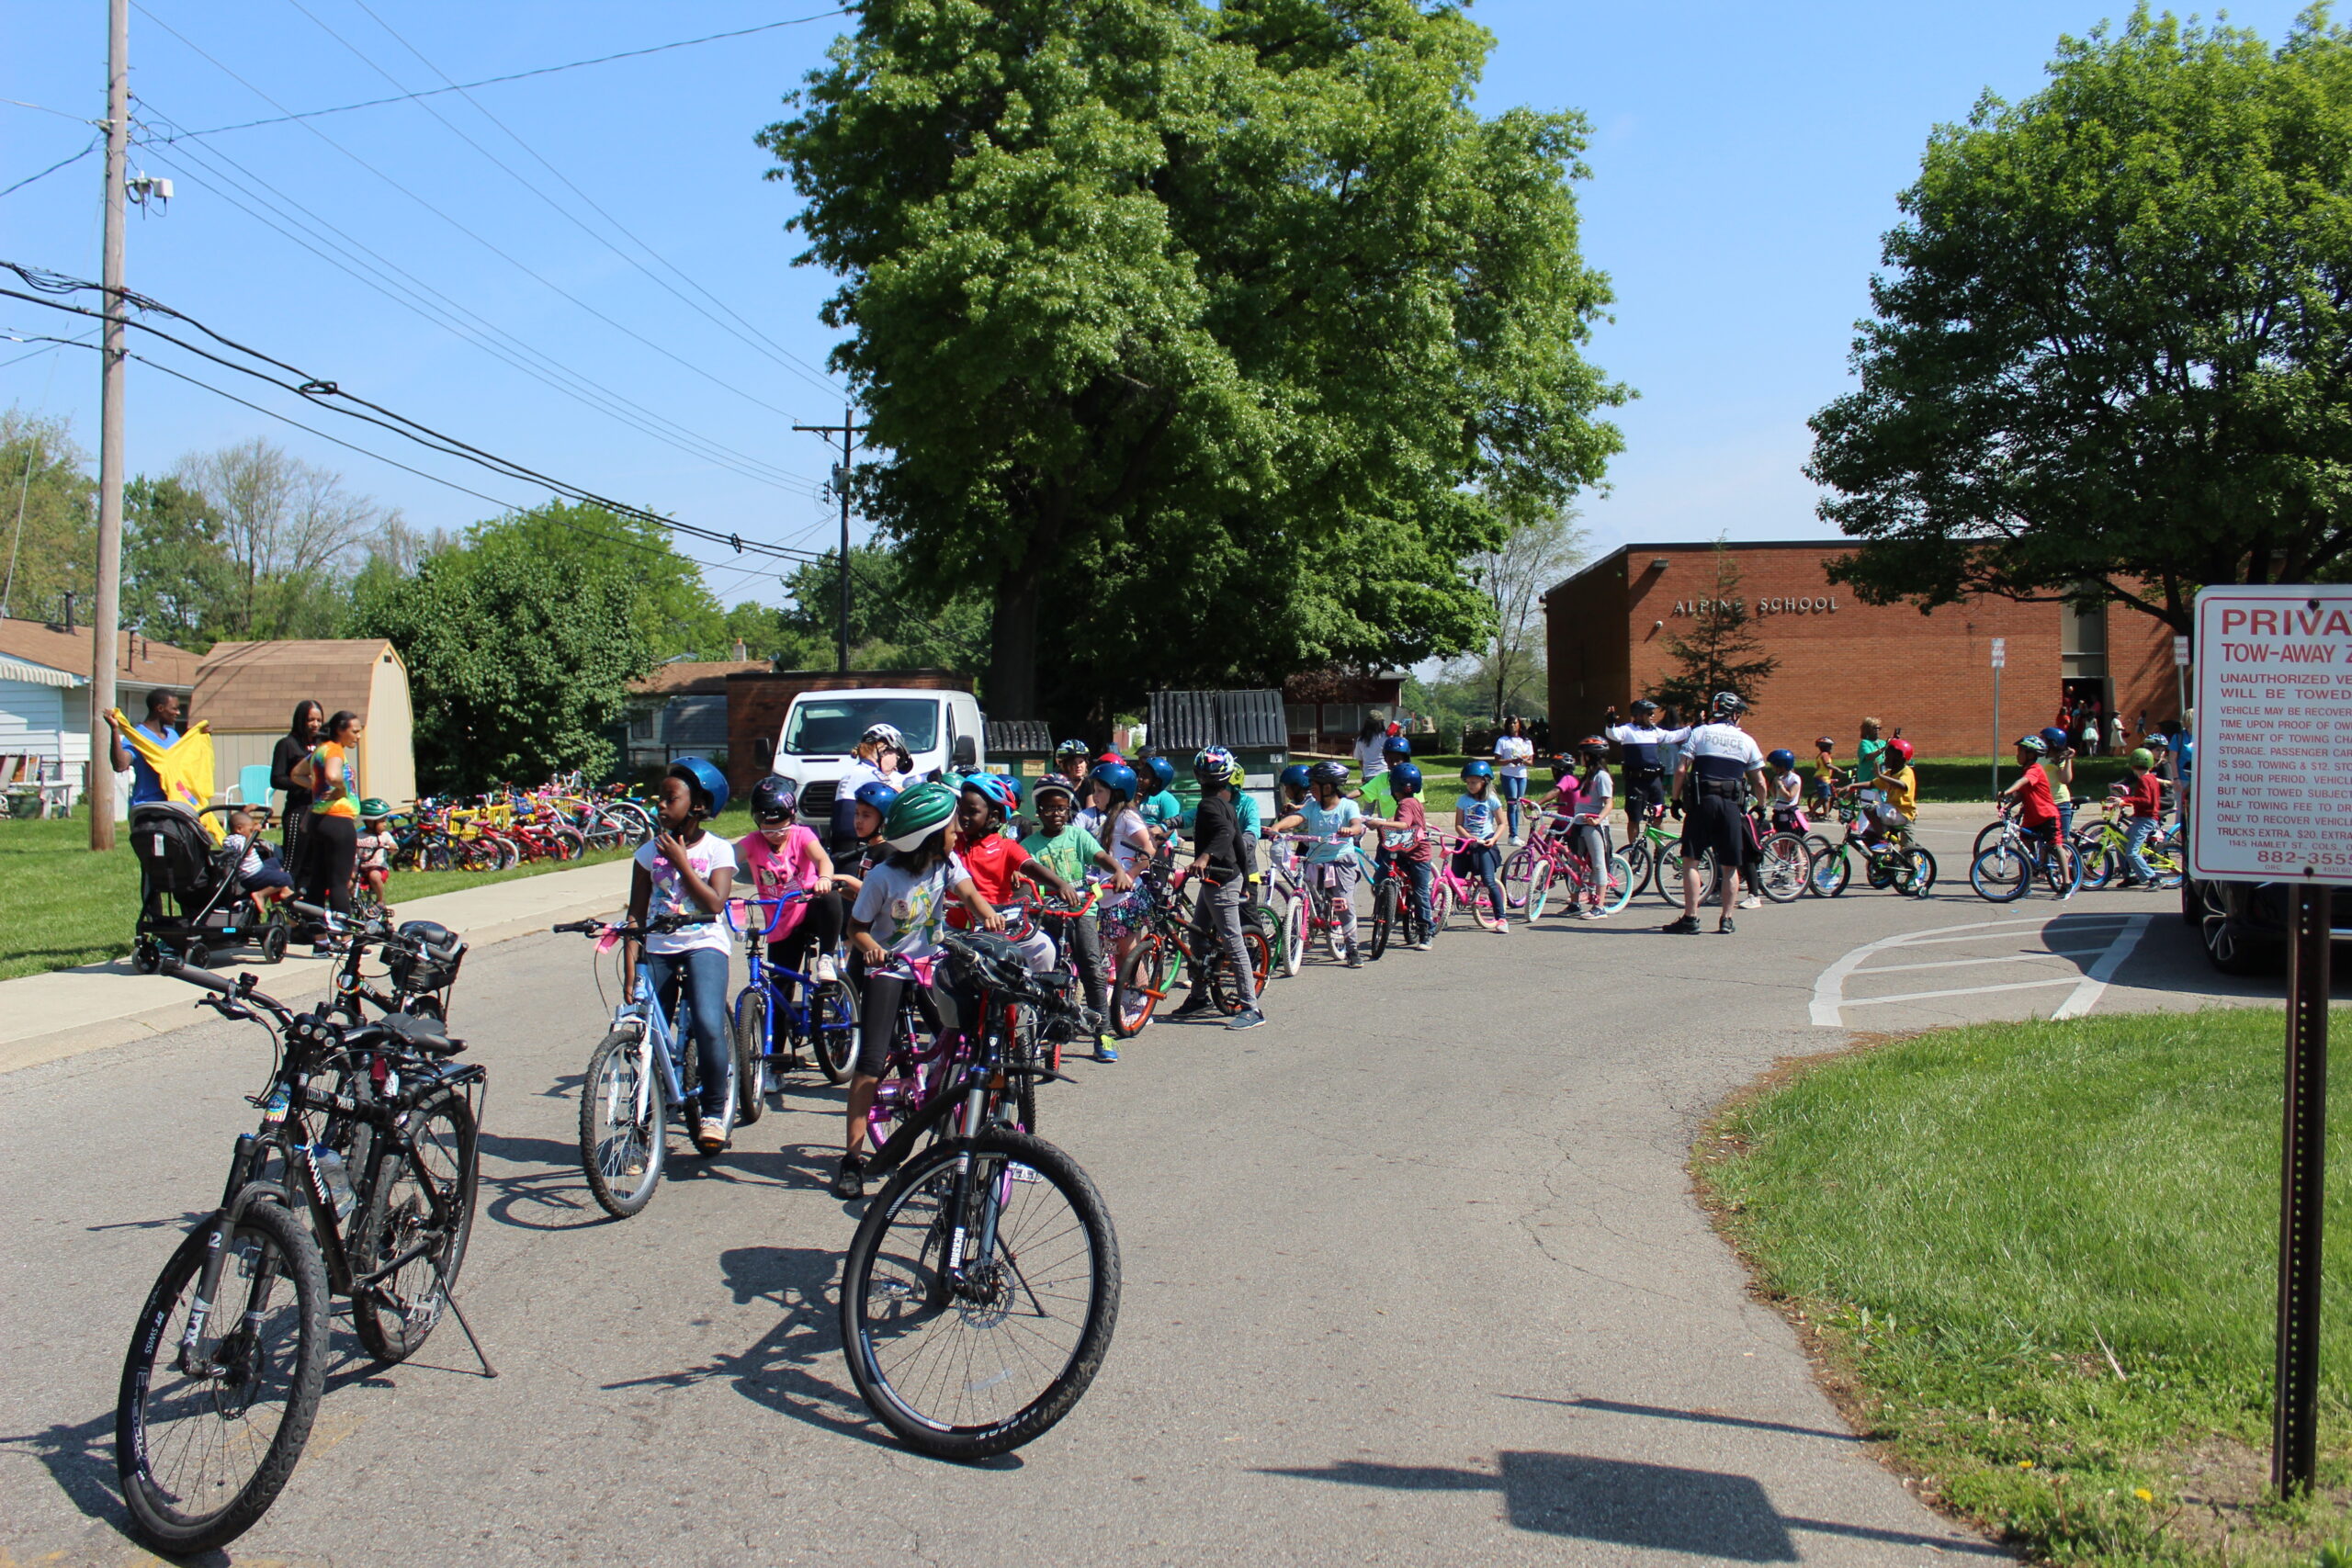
(1745, 158)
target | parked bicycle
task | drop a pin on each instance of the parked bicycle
(228, 1364)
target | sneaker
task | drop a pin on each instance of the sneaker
(1687, 925)
(1354, 959)
(329, 949)
(1192, 1006)
(710, 1134)
(1594, 912)
(850, 1181)
(1422, 946)
(1103, 1050)
(1502, 928)
(826, 969)
(1753, 901)
(1723, 927)
(1248, 1018)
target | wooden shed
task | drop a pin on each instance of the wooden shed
(247, 690)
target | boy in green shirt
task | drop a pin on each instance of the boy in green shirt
(1074, 853)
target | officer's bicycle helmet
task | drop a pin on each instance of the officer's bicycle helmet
(1643, 708)
(1727, 705)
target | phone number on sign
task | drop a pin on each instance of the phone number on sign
(2297, 857)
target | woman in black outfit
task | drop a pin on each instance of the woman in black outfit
(286, 773)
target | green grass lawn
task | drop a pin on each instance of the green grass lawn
(61, 905)
(2040, 1260)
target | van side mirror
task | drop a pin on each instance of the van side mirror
(766, 750)
(966, 753)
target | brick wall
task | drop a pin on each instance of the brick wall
(756, 702)
(1841, 659)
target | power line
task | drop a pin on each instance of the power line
(518, 76)
(511, 260)
(406, 289)
(776, 351)
(61, 164)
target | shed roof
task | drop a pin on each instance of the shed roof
(252, 687)
(137, 661)
(1242, 720)
(701, 676)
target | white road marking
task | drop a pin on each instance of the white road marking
(2094, 985)
(2003, 958)
(1829, 991)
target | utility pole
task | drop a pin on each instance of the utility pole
(108, 611)
(848, 431)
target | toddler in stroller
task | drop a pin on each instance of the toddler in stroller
(260, 878)
(190, 896)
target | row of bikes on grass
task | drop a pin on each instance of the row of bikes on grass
(560, 820)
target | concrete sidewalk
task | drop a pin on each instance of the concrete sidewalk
(68, 1012)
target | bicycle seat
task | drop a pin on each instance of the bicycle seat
(408, 1032)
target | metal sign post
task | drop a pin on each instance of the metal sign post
(2180, 678)
(2000, 657)
(2273, 802)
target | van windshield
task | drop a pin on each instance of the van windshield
(823, 726)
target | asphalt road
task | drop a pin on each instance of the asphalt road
(1413, 1275)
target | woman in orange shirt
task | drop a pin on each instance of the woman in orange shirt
(333, 840)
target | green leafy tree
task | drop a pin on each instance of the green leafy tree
(1722, 652)
(1205, 342)
(674, 611)
(49, 510)
(890, 623)
(2112, 349)
(179, 584)
(520, 663)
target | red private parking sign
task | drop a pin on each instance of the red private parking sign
(2272, 786)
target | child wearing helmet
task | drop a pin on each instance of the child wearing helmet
(1160, 809)
(2143, 796)
(781, 858)
(868, 808)
(1898, 791)
(1222, 858)
(2038, 816)
(688, 870)
(1478, 821)
(1332, 823)
(1588, 815)
(2058, 763)
(894, 926)
(1124, 834)
(1405, 839)
(1070, 850)
(373, 868)
(1825, 776)
(1788, 788)
(996, 862)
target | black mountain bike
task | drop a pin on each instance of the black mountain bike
(981, 1291)
(367, 1133)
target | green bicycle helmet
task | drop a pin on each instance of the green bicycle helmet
(372, 809)
(917, 814)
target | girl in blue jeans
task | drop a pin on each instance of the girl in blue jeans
(688, 870)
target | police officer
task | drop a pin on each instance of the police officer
(1720, 762)
(1644, 767)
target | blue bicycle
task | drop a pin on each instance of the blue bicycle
(784, 1018)
(643, 1071)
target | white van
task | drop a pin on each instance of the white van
(821, 730)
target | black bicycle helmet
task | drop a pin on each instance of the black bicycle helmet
(774, 797)
(1332, 773)
(1643, 708)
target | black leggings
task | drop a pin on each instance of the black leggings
(820, 927)
(877, 1026)
(330, 853)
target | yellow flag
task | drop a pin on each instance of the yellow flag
(184, 768)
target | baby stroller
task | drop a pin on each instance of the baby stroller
(181, 869)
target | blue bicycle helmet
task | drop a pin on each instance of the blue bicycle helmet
(1013, 784)
(995, 787)
(1295, 777)
(1405, 778)
(1396, 746)
(1161, 769)
(1117, 777)
(1477, 768)
(2054, 740)
(1782, 759)
(703, 780)
(877, 795)
(1214, 765)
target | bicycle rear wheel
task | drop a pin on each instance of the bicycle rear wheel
(1620, 891)
(1518, 877)
(1831, 873)
(1142, 982)
(622, 1146)
(202, 1456)
(393, 1318)
(1539, 890)
(1915, 872)
(976, 1360)
(832, 1018)
(1639, 865)
(1383, 916)
(2062, 879)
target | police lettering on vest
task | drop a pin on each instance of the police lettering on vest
(1721, 758)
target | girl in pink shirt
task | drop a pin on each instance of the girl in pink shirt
(783, 857)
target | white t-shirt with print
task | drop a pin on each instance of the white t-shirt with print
(905, 910)
(1511, 754)
(708, 855)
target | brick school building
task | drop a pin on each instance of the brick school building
(1607, 631)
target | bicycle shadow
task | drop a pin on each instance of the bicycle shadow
(548, 1194)
(776, 1372)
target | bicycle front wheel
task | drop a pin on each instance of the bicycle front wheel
(1539, 891)
(751, 1033)
(1831, 873)
(1620, 891)
(2001, 875)
(974, 1358)
(1294, 934)
(832, 1018)
(623, 1109)
(1781, 867)
(440, 1168)
(203, 1453)
(1383, 916)
(1143, 980)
